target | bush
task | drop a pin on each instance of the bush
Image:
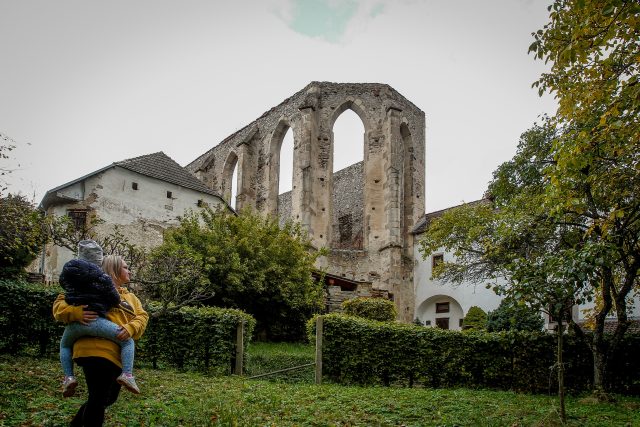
(26, 319)
(511, 316)
(360, 351)
(201, 338)
(476, 318)
(379, 309)
(22, 234)
(250, 263)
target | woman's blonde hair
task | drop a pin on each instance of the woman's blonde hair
(112, 265)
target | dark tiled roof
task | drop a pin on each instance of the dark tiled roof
(611, 324)
(423, 223)
(160, 166)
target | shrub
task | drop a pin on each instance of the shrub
(250, 263)
(513, 316)
(379, 309)
(476, 318)
(201, 338)
(22, 234)
(360, 351)
(26, 320)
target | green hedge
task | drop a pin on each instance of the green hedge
(379, 309)
(359, 351)
(201, 338)
(26, 319)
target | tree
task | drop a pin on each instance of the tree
(475, 319)
(513, 236)
(174, 276)
(22, 234)
(514, 316)
(594, 50)
(65, 233)
(254, 265)
(6, 145)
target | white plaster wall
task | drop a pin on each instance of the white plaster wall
(429, 291)
(118, 203)
(142, 214)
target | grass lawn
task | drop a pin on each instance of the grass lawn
(30, 396)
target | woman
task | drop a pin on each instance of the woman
(100, 358)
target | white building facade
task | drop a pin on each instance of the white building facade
(445, 305)
(141, 196)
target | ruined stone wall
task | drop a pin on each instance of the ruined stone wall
(348, 208)
(284, 207)
(388, 186)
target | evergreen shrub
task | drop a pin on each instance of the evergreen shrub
(191, 337)
(511, 315)
(26, 319)
(379, 309)
(201, 338)
(364, 352)
(476, 319)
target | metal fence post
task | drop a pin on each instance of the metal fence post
(319, 323)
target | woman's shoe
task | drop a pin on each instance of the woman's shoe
(69, 385)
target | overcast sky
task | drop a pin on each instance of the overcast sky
(85, 83)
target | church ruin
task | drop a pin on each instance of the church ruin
(363, 214)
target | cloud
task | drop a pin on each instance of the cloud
(329, 20)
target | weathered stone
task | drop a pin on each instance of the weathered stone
(364, 213)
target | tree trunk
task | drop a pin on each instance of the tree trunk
(560, 333)
(599, 371)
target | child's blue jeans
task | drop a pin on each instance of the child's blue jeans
(102, 328)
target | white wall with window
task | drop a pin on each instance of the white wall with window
(434, 297)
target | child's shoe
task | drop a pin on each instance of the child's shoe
(69, 386)
(129, 382)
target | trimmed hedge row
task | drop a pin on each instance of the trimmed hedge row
(379, 309)
(359, 351)
(26, 320)
(201, 338)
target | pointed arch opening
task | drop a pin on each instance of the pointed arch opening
(230, 179)
(285, 177)
(281, 151)
(348, 136)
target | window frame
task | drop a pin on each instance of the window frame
(436, 259)
(443, 307)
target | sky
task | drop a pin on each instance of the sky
(85, 83)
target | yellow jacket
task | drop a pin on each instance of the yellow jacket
(128, 314)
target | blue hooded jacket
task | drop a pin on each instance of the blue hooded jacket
(85, 283)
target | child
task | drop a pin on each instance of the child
(86, 284)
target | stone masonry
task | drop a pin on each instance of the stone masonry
(364, 213)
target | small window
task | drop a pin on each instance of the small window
(134, 185)
(436, 260)
(169, 194)
(442, 307)
(345, 228)
(78, 218)
(460, 322)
